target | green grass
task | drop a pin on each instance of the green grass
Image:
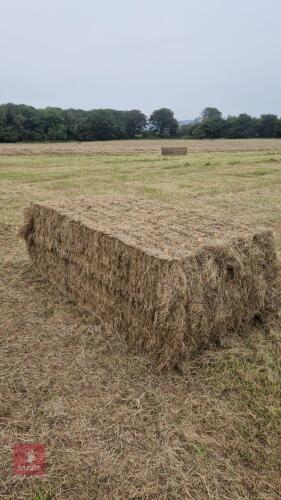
(238, 183)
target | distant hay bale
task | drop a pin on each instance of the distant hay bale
(167, 279)
(173, 151)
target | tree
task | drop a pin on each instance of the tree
(8, 131)
(185, 130)
(278, 128)
(268, 126)
(210, 114)
(53, 124)
(198, 131)
(210, 129)
(241, 127)
(210, 125)
(73, 119)
(136, 123)
(163, 122)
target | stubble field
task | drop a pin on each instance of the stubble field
(111, 426)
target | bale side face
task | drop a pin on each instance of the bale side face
(230, 285)
(164, 306)
(140, 295)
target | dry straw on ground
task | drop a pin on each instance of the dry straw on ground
(136, 147)
(169, 280)
(173, 151)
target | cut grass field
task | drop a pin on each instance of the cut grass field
(112, 427)
(138, 146)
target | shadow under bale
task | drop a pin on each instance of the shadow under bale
(168, 280)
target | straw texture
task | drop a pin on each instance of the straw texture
(168, 280)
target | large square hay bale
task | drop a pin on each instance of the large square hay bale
(173, 151)
(170, 280)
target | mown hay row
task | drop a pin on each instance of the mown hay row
(173, 151)
(168, 280)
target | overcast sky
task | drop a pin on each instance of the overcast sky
(142, 54)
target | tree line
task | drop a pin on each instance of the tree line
(212, 125)
(26, 123)
(19, 122)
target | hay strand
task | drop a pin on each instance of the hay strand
(168, 280)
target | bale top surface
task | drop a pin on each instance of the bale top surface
(156, 228)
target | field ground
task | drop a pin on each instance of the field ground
(138, 146)
(111, 426)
